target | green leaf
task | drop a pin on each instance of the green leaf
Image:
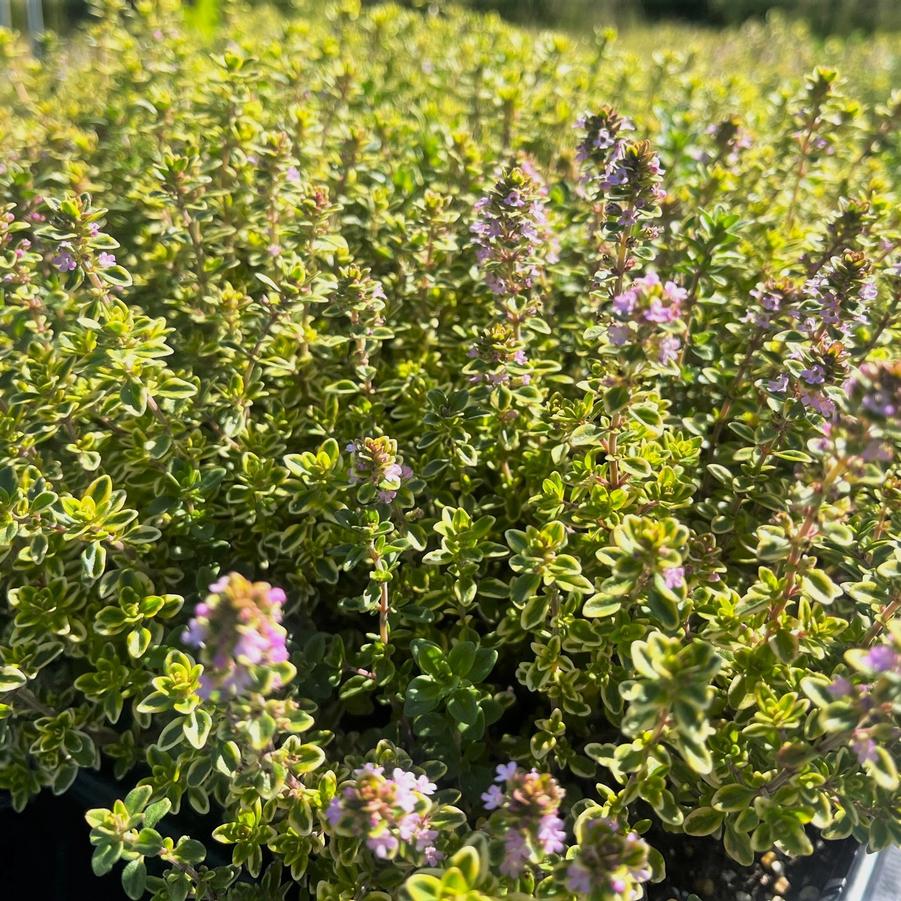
(662, 605)
(134, 878)
(733, 797)
(461, 658)
(156, 811)
(196, 727)
(189, 850)
(11, 678)
(228, 759)
(423, 695)
(601, 605)
(817, 586)
(792, 837)
(616, 398)
(176, 388)
(463, 707)
(816, 688)
(138, 641)
(136, 800)
(431, 659)
(703, 821)
(105, 857)
(93, 560)
(524, 587)
(423, 887)
(307, 758)
(883, 770)
(134, 398)
(534, 613)
(738, 846)
(483, 663)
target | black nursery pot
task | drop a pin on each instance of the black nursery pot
(836, 871)
(48, 856)
(47, 849)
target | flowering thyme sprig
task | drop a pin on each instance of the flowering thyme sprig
(377, 468)
(857, 708)
(237, 630)
(498, 358)
(514, 243)
(837, 297)
(526, 813)
(648, 316)
(610, 864)
(623, 181)
(390, 813)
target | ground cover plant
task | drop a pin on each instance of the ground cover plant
(450, 459)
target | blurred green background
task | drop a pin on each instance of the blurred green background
(822, 16)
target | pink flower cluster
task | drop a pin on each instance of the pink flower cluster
(837, 298)
(499, 358)
(389, 812)
(824, 366)
(512, 239)
(642, 309)
(375, 462)
(527, 809)
(626, 174)
(237, 629)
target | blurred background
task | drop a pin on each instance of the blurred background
(824, 17)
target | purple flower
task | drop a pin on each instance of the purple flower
(624, 303)
(578, 879)
(383, 844)
(513, 243)
(292, 174)
(881, 658)
(674, 293)
(516, 854)
(333, 812)
(551, 834)
(386, 812)
(618, 335)
(608, 860)
(105, 260)
(864, 747)
(815, 401)
(778, 385)
(506, 771)
(674, 577)
(815, 375)
(840, 687)
(64, 261)
(493, 798)
(669, 350)
(375, 462)
(195, 635)
(237, 631)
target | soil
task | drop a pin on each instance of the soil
(699, 866)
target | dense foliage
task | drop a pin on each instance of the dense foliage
(448, 455)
